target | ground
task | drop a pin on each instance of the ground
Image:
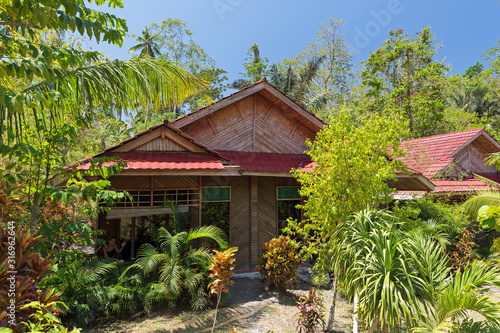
(249, 308)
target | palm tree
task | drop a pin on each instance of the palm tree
(297, 84)
(147, 45)
(181, 268)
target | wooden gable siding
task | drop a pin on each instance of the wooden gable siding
(240, 220)
(472, 158)
(160, 139)
(160, 144)
(251, 124)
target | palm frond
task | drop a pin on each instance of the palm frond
(116, 85)
(171, 275)
(149, 259)
(211, 232)
(482, 198)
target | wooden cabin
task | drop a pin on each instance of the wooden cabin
(226, 164)
(453, 161)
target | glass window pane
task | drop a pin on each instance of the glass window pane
(289, 192)
(213, 194)
(216, 213)
(287, 209)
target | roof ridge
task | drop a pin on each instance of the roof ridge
(444, 134)
(263, 80)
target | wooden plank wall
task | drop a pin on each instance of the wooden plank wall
(267, 203)
(159, 182)
(254, 220)
(240, 220)
(173, 182)
(111, 227)
(252, 124)
(130, 182)
(215, 181)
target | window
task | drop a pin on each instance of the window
(215, 207)
(288, 198)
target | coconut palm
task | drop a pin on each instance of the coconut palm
(297, 84)
(147, 46)
(180, 267)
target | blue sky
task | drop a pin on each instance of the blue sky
(227, 28)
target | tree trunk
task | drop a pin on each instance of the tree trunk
(35, 211)
(216, 309)
(355, 314)
(374, 325)
(331, 316)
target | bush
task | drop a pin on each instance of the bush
(279, 262)
(94, 290)
(18, 254)
(441, 213)
(463, 251)
(311, 312)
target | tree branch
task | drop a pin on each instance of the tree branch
(20, 24)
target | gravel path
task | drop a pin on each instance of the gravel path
(249, 308)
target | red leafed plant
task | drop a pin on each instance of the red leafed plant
(221, 267)
(21, 269)
(279, 262)
(310, 315)
(463, 251)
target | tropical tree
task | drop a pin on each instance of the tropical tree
(175, 41)
(447, 300)
(371, 255)
(334, 75)
(255, 66)
(148, 46)
(47, 90)
(41, 82)
(297, 84)
(350, 171)
(180, 267)
(402, 77)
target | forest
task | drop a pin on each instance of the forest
(420, 265)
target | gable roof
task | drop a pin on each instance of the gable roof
(163, 129)
(435, 156)
(262, 86)
(432, 154)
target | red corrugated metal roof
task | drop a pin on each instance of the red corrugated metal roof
(265, 162)
(160, 161)
(433, 153)
(463, 185)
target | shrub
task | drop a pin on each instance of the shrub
(279, 262)
(220, 268)
(21, 269)
(463, 251)
(449, 215)
(311, 311)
